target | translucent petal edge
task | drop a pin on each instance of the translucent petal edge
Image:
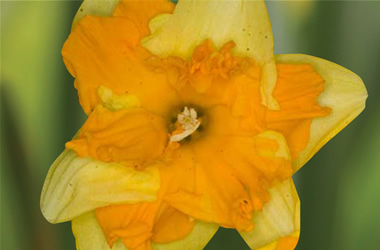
(344, 93)
(76, 185)
(279, 218)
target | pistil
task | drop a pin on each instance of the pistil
(186, 124)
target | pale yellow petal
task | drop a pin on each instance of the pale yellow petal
(95, 7)
(89, 235)
(246, 22)
(197, 239)
(158, 22)
(344, 93)
(77, 185)
(279, 218)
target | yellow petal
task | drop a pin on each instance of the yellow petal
(279, 219)
(77, 185)
(242, 21)
(193, 21)
(197, 239)
(89, 235)
(95, 7)
(344, 93)
(158, 22)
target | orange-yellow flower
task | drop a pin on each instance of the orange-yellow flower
(192, 124)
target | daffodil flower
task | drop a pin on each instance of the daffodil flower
(192, 124)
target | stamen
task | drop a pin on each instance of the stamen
(187, 123)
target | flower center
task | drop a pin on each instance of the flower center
(186, 124)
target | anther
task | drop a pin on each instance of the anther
(187, 123)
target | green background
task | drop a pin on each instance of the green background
(339, 188)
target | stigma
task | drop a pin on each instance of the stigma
(187, 123)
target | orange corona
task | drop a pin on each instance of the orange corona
(220, 173)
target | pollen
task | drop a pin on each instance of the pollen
(187, 123)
